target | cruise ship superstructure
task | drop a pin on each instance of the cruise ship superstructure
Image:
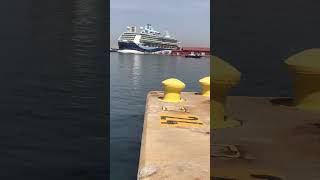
(146, 41)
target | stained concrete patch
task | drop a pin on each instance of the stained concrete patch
(275, 136)
(146, 171)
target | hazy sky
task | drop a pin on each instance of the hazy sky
(186, 20)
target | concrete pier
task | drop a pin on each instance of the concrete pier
(265, 137)
(176, 138)
(275, 140)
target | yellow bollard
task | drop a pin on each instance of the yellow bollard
(205, 86)
(172, 90)
(306, 67)
(224, 78)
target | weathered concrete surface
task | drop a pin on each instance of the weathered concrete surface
(275, 137)
(175, 153)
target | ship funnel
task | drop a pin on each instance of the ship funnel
(166, 34)
(133, 29)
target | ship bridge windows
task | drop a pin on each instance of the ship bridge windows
(128, 36)
(168, 40)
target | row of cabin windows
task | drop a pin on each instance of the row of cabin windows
(168, 40)
(162, 39)
(158, 39)
(157, 42)
(158, 45)
(128, 36)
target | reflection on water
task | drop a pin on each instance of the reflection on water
(53, 101)
(136, 70)
(132, 77)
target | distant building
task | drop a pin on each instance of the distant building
(191, 50)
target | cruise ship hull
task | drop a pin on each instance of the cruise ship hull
(129, 51)
(131, 47)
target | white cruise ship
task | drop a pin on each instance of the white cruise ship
(146, 41)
